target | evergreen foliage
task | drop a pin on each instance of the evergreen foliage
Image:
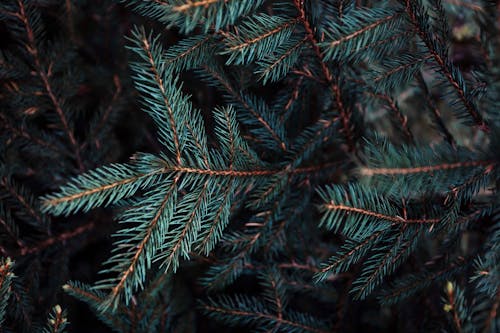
(295, 165)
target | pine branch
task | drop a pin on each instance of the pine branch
(261, 116)
(396, 111)
(357, 30)
(333, 83)
(412, 284)
(256, 37)
(435, 111)
(349, 254)
(95, 298)
(275, 66)
(455, 305)
(368, 213)
(189, 53)
(424, 169)
(150, 52)
(44, 75)
(250, 310)
(25, 201)
(143, 242)
(103, 186)
(454, 76)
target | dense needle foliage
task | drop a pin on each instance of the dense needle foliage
(229, 165)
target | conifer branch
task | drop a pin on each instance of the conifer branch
(295, 80)
(393, 219)
(346, 255)
(274, 63)
(435, 111)
(190, 4)
(60, 238)
(332, 82)
(183, 238)
(144, 246)
(218, 220)
(363, 30)
(86, 193)
(228, 87)
(31, 137)
(10, 229)
(32, 49)
(261, 316)
(93, 298)
(159, 81)
(9, 186)
(400, 68)
(452, 306)
(236, 260)
(57, 321)
(248, 42)
(402, 119)
(415, 284)
(454, 77)
(365, 171)
(180, 59)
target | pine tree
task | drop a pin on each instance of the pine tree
(316, 161)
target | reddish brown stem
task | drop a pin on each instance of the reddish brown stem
(44, 76)
(333, 83)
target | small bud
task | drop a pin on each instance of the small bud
(449, 287)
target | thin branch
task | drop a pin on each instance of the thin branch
(195, 4)
(333, 83)
(227, 86)
(57, 239)
(403, 120)
(98, 300)
(247, 43)
(394, 219)
(84, 193)
(139, 249)
(44, 76)
(363, 30)
(161, 86)
(447, 71)
(436, 112)
(452, 304)
(21, 199)
(424, 169)
(350, 253)
(263, 316)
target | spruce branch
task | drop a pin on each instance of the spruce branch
(398, 114)
(44, 74)
(259, 114)
(26, 202)
(405, 287)
(333, 83)
(425, 169)
(95, 298)
(435, 111)
(62, 237)
(418, 18)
